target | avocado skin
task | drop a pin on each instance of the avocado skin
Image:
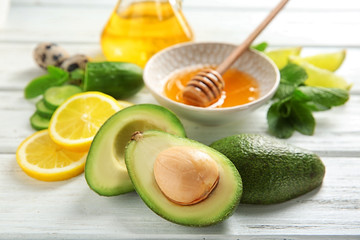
(272, 171)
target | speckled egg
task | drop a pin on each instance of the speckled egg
(75, 62)
(46, 54)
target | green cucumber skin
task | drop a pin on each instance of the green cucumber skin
(39, 123)
(118, 79)
(43, 110)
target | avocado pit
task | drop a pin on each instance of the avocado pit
(185, 175)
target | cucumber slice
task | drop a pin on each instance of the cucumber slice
(43, 110)
(55, 96)
(39, 123)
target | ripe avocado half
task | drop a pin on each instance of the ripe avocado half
(140, 156)
(272, 171)
(105, 169)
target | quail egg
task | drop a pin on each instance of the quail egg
(46, 54)
(75, 62)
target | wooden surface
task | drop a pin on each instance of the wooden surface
(31, 209)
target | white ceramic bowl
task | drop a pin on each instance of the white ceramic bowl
(162, 64)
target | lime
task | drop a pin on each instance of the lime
(281, 56)
(318, 77)
(329, 61)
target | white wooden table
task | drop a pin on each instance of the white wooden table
(31, 209)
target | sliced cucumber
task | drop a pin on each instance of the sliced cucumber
(38, 122)
(43, 110)
(55, 96)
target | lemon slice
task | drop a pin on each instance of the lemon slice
(329, 61)
(318, 77)
(281, 56)
(76, 121)
(43, 159)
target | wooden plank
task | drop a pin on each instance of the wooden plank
(17, 66)
(32, 209)
(258, 4)
(311, 28)
(62, 210)
(336, 134)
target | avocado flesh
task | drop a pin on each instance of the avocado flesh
(140, 157)
(105, 169)
(272, 171)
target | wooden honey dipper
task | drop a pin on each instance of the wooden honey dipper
(205, 88)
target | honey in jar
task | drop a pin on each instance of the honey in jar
(138, 29)
(240, 87)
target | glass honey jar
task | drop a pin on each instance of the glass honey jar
(138, 29)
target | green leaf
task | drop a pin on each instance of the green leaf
(295, 103)
(301, 118)
(322, 98)
(260, 47)
(316, 107)
(36, 87)
(279, 126)
(284, 107)
(56, 71)
(300, 96)
(77, 77)
(77, 74)
(284, 90)
(293, 74)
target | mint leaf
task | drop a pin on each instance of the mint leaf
(279, 126)
(322, 98)
(55, 77)
(260, 47)
(301, 118)
(77, 77)
(316, 107)
(284, 107)
(295, 103)
(56, 71)
(284, 90)
(300, 96)
(77, 74)
(58, 75)
(293, 74)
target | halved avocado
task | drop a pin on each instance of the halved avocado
(142, 153)
(105, 169)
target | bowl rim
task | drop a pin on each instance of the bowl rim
(265, 97)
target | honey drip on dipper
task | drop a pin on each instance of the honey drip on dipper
(205, 88)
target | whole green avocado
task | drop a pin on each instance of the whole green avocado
(272, 171)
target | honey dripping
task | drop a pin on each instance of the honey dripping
(137, 30)
(240, 87)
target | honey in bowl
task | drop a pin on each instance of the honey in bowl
(240, 87)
